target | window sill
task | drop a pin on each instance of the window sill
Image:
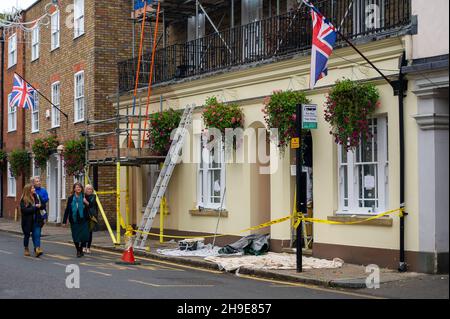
(78, 36)
(35, 132)
(34, 60)
(206, 212)
(13, 131)
(79, 121)
(54, 49)
(383, 221)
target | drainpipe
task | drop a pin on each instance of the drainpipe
(2, 97)
(402, 86)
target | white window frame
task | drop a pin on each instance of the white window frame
(56, 100)
(205, 176)
(35, 39)
(12, 116)
(12, 183)
(12, 50)
(352, 206)
(78, 18)
(35, 114)
(79, 179)
(36, 171)
(55, 30)
(366, 10)
(79, 100)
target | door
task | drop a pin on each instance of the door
(252, 13)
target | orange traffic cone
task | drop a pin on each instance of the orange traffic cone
(128, 254)
(128, 258)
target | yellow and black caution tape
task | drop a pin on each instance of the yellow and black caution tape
(296, 221)
(330, 222)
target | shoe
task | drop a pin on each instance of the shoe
(84, 250)
(88, 251)
(26, 252)
(38, 252)
(79, 254)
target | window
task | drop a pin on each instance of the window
(36, 170)
(12, 116)
(368, 15)
(78, 179)
(78, 18)
(55, 30)
(55, 100)
(11, 183)
(211, 177)
(35, 43)
(12, 50)
(35, 114)
(79, 96)
(363, 174)
(252, 13)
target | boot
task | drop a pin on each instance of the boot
(27, 252)
(38, 252)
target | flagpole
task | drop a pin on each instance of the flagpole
(364, 57)
(42, 95)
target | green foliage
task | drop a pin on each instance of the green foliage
(19, 161)
(43, 148)
(348, 108)
(280, 111)
(74, 156)
(162, 125)
(222, 116)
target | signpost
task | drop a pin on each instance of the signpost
(309, 120)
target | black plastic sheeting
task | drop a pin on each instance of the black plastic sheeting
(250, 245)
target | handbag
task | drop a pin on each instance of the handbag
(92, 223)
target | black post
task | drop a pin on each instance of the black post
(401, 95)
(299, 189)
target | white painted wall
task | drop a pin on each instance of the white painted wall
(433, 26)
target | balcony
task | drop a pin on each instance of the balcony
(270, 38)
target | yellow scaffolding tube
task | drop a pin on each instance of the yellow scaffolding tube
(127, 197)
(119, 215)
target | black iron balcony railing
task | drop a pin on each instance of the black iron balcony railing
(262, 40)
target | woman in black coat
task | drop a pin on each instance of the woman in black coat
(30, 209)
(77, 212)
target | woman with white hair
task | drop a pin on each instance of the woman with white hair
(93, 214)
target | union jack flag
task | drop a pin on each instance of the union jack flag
(22, 94)
(324, 38)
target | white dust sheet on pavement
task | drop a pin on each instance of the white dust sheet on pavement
(273, 261)
(204, 251)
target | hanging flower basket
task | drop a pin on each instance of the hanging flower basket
(43, 148)
(19, 161)
(162, 125)
(74, 157)
(348, 108)
(280, 113)
(223, 117)
(3, 159)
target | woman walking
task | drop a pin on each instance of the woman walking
(78, 214)
(93, 215)
(30, 208)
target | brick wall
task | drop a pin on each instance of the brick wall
(12, 140)
(107, 40)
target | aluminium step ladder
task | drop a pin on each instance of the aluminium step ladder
(164, 177)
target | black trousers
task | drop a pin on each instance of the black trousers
(88, 243)
(79, 246)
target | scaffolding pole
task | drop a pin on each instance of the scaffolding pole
(118, 201)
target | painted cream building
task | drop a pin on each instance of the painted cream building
(252, 198)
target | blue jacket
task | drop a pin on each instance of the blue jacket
(43, 196)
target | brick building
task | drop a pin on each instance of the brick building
(13, 120)
(71, 60)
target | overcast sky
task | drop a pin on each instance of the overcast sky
(23, 4)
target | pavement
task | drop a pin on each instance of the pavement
(349, 276)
